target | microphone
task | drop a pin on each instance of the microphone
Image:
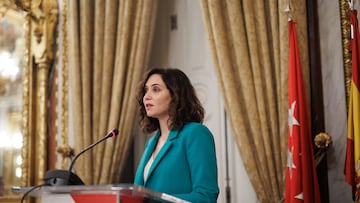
(67, 177)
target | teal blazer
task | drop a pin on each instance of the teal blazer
(185, 167)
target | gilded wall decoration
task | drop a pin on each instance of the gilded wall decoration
(29, 118)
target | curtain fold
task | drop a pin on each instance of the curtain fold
(109, 45)
(249, 49)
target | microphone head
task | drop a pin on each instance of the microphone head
(114, 132)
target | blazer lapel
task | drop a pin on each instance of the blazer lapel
(167, 146)
(147, 153)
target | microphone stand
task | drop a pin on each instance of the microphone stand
(67, 177)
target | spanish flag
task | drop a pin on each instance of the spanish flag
(352, 160)
(301, 178)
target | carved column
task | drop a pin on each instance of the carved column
(43, 17)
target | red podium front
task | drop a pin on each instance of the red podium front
(121, 193)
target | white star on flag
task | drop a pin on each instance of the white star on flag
(290, 162)
(291, 118)
(300, 196)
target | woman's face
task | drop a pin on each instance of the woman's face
(157, 98)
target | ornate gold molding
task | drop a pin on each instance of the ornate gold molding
(345, 32)
(5, 6)
(42, 18)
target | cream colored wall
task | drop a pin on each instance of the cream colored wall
(334, 97)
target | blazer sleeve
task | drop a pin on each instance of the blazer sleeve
(201, 155)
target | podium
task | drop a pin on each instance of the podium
(118, 193)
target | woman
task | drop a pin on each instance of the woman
(179, 159)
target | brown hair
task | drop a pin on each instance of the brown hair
(184, 105)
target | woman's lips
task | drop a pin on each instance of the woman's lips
(148, 106)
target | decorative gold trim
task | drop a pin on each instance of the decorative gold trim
(345, 32)
(28, 165)
(65, 85)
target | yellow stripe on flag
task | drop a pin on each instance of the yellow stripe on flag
(352, 169)
(355, 124)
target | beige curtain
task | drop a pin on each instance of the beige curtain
(109, 44)
(249, 44)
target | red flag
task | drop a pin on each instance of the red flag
(352, 160)
(301, 179)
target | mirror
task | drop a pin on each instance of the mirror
(12, 50)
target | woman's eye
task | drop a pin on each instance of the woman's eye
(156, 89)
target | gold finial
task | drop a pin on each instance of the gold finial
(323, 140)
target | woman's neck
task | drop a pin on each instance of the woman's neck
(164, 129)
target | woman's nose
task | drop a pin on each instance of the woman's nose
(147, 95)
